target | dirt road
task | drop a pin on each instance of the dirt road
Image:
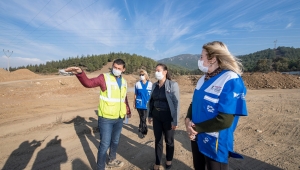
(51, 124)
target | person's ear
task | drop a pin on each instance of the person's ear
(213, 60)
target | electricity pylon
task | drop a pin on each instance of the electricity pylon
(8, 54)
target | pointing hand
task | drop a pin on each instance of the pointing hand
(74, 70)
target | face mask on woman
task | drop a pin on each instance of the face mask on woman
(116, 72)
(202, 67)
(159, 75)
(142, 77)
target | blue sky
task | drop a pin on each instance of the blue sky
(43, 30)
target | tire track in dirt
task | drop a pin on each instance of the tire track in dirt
(32, 80)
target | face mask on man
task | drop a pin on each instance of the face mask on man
(116, 72)
(202, 67)
(159, 75)
(142, 77)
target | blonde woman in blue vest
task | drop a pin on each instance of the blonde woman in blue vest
(112, 109)
(142, 90)
(217, 104)
(163, 111)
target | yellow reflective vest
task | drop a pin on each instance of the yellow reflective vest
(112, 101)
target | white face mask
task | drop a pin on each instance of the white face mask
(116, 72)
(202, 67)
(159, 75)
(142, 77)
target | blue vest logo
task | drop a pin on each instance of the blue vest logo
(216, 89)
(210, 108)
(239, 95)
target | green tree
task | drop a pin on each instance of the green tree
(264, 65)
(281, 64)
(90, 67)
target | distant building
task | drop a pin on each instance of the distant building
(292, 72)
(64, 73)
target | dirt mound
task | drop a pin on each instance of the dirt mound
(131, 79)
(3, 74)
(19, 74)
(2, 71)
(104, 69)
(23, 72)
(272, 80)
(187, 80)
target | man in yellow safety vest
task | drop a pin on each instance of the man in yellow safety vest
(112, 109)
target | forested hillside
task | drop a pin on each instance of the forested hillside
(280, 59)
(92, 63)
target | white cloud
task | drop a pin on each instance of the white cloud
(163, 26)
(127, 9)
(77, 21)
(277, 16)
(270, 17)
(18, 61)
(179, 33)
(209, 32)
(53, 36)
(63, 29)
(289, 25)
(176, 49)
(173, 50)
(246, 25)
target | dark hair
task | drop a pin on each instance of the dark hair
(168, 76)
(119, 62)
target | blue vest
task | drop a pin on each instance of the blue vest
(224, 93)
(142, 92)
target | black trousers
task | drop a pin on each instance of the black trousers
(143, 125)
(202, 162)
(162, 127)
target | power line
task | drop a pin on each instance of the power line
(51, 16)
(32, 19)
(71, 16)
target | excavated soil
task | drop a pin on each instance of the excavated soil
(21, 74)
(49, 122)
(271, 80)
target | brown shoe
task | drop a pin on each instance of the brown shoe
(115, 163)
(158, 167)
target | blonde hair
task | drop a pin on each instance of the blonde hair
(145, 73)
(225, 59)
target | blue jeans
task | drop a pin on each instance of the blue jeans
(110, 130)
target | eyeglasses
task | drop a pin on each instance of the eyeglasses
(141, 74)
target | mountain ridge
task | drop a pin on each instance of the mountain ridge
(188, 61)
(279, 59)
